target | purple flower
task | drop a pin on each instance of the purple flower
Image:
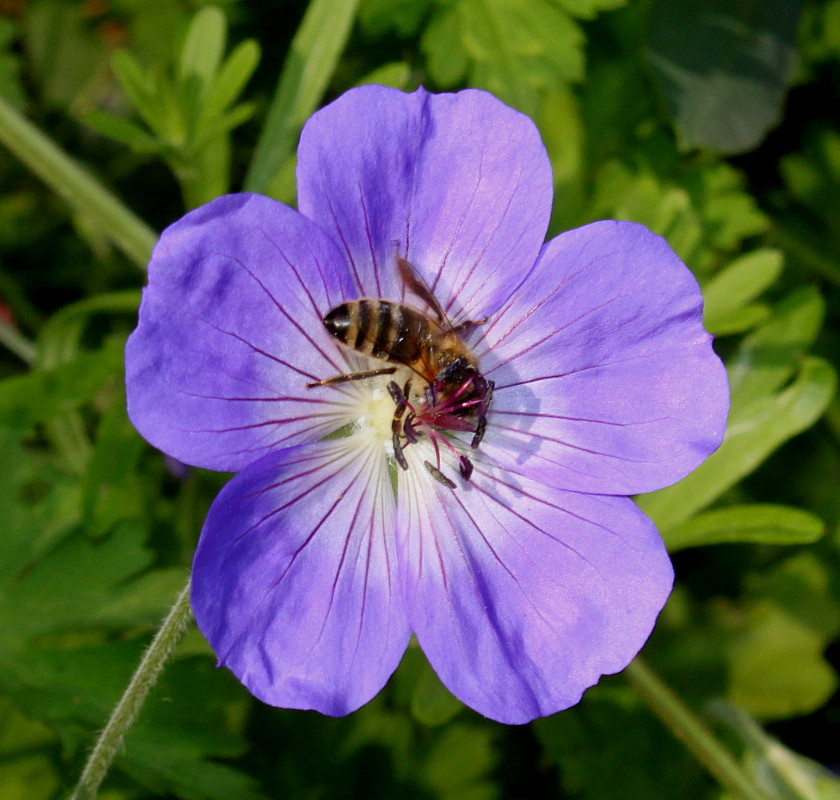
(532, 578)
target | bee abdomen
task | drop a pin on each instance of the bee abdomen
(379, 328)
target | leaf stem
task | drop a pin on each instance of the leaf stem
(692, 732)
(80, 189)
(125, 712)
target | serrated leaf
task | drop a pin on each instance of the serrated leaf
(112, 489)
(739, 283)
(66, 587)
(759, 523)
(764, 425)
(724, 67)
(41, 395)
(515, 50)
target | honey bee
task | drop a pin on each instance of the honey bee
(455, 395)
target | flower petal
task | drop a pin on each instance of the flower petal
(606, 380)
(522, 596)
(293, 579)
(460, 183)
(230, 332)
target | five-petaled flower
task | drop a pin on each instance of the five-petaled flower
(317, 562)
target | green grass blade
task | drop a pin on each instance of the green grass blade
(80, 189)
(309, 66)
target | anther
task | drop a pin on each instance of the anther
(438, 475)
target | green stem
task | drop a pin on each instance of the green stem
(17, 343)
(692, 732)
(82, 191)
(125, 713)
(310, 64)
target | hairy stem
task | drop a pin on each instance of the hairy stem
(125, 713)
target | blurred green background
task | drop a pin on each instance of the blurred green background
(714, 122)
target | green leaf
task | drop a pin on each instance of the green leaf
(41, 505)
(309, 65)
(589, 9)
(515, 50)
(140, 88)
(723, 67)
(123, 131)
(447, 60)
(112, 488)
(778, 771)
(759, 523)
(611, 747)
(203, 46)
(459, 764)
(771, 354)
(225, 88)
(742, 281)
(401, 16)
(396, 74)
(788, 625)
(40, 395)
(11, 86)
(761, 427)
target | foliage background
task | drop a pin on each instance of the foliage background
(714, 122)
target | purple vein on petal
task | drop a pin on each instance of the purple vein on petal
(457, 233)
(280, 308)
(550, 334)
(531, 523)
(511, 413)
(510, 303)
(492, 615)
(369, 236)
(269, 591)
(256, 349)
(550, 505)
(533, 435)
(640, 357)
(501, 561)
(347, 251)
(465, 302)
(294, 269)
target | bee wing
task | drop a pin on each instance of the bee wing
(417, 285)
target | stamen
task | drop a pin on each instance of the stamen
(438, 475)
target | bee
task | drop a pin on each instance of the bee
(455, 395)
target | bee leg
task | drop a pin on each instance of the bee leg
(438, 475)
(409, 430)
(463, 328)
(465, 467)
(481, 425)
(352, 376)
(401, 401)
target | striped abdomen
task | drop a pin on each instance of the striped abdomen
(393, 332)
